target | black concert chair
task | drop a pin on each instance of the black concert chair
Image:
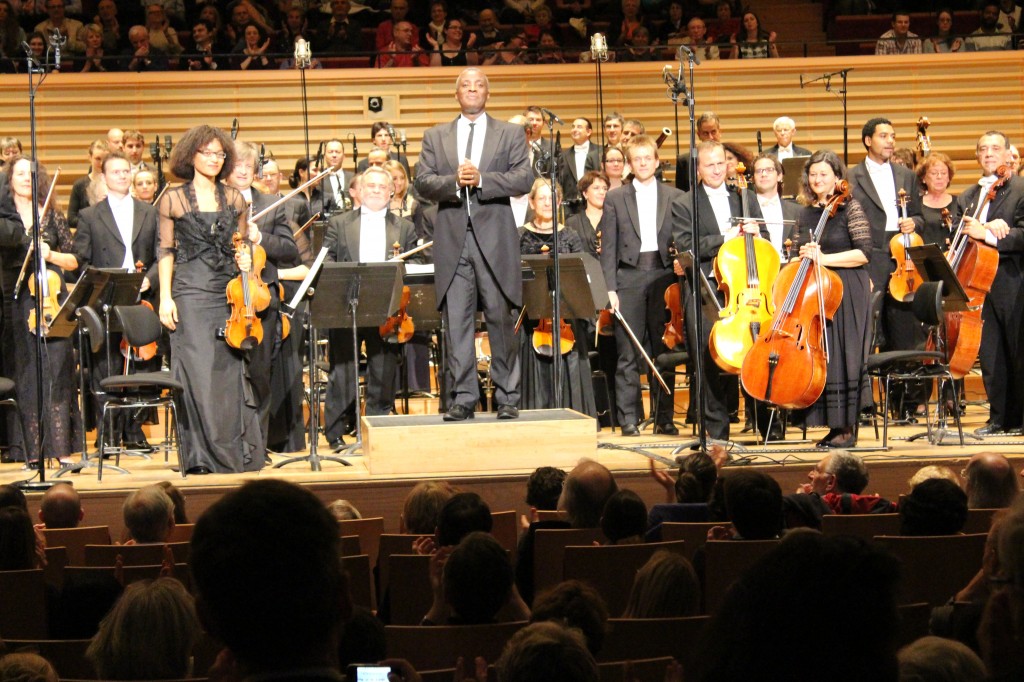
(140, 326)
(7, 393)
(667, 364)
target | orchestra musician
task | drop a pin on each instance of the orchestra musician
(935, 174)
(768, 175)
(219, 424)
(334, 188)
(381, 132)
(717, 206)
(120, 232)
(579, 158)
(1000, 224)
(366, 235)
(636, 230)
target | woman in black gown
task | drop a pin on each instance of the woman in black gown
(219, 422)
(537, 237)
(843, 248)
(63, 422)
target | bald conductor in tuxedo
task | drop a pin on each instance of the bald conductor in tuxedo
(471, 167)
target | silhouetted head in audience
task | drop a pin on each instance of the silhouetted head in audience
(180, 510)
(463, 514)
(546, 651)
(149, 515)
(665, 587)
(271, 528)
(17, 540)
(26, 667)
(696, 479)
(344, 510)
(937, 659)
(990, 481)
(587, 488)
(544, 487)
(61, 507)
(839, 472)
(85, 600)
(148, 635)
(362, 639)
(577, 605)
(753, 503)
(12, 496)
(933, 507)
(423, 504)
(477, 579)
(624, 519)
(770, 627)
(933, 471)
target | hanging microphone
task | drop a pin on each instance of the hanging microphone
(57, 41)
(234, 128)
(551, 115)
(404, 139)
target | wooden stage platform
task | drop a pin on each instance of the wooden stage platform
(498, 456)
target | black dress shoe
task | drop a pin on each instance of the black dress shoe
(842, 443)
(990, 430)
(459, 413)
(198, 471)
(630, 430)
(337, 445)
(142, 446)
(668, 429)
(508, 412)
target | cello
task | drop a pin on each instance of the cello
(745, 270)
(904, 280)
(787, 365)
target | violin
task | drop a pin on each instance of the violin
(605, 317)
(924, 143)
(543, 336)
(247, 294)
(787, 364)
(48, 290)
(399, 327)
(138, 353)
(746, 269)
(286, 322)
(904, 280)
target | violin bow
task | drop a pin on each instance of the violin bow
(640, 348)
(295, 191)
(410, 252)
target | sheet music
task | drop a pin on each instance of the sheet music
(419, 268)
(306, 283)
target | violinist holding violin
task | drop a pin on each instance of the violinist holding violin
(60, 406)
(120, 232)
(843, 248)
(198, 223)
(1000, 225)
(368, 234)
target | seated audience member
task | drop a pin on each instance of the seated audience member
(574, 604)
(548, 50)
(932, 471)
(70, 29)
(991, 35)
(26, 667)
(162, 35)
(18, 546)
(362, 639)
(461, 515)
(141, 56)
(106, 19)
(472, 582)
(837, 483)
(61, 507)
(771, 610)
(12, 496)
(403, 50)
(934, 507)
(639, 48)
(512, 51)
(148, 515)
(398, 11)
(248, 535)
(753, 505)
(543, 652)
(934, 659)
(623, 26)
(543, 22)
(251, 50)
(990, 481)
(423, 505)
(489, 34)
(180, 510)
(202, 55)
(752, 41)
(1001, 629)
(343, 510)
(543, 489)
(687, 497)
(699, 41)
(624, 518)
(85, 600)
(945, 38)
(148, 635)
(665, 587)
(93, 59)
(899, 39)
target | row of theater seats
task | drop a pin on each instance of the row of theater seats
(857, 33)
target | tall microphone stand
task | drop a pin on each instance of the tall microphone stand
(33, 68)
(554, 142)
(303, 58)
(841, 94)
(598, 54)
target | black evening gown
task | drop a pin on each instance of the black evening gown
(846, 386)
(63, 421)
(577, 386)
(219, 420)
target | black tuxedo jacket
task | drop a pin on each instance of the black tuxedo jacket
(1008, 204)
(569, 175)
(620, 229)
(881, 263)
(710, 236)
(797, 151)
(277, 238)
(343, 231)
(98, 241)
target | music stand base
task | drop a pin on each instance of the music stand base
(940, 434)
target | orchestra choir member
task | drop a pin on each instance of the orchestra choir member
(935, 174)
(334, 188)
(476, 254)
(614, 166)
(768, 176)
(60, 406)
(144, 185)
(219, 422)
(1000, 224)
(577, 390)
(843, 248)
(120, 232)
(403, 204)
(593, 187)
(88, 189)
(381, 132)
(717, 206)
(365, 235)
(636, 230)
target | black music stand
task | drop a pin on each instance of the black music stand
(424, 311)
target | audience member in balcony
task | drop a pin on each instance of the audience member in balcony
(519, 11)
(61, 507)
(752, 41)
(574, 604)
(452, 51)
(438, 21)
(508, 53)
(148, 635)
(933, 507)
(489, 34)
(624, 518)
(243, 12)
(106, 18)
(699, 41)
(252, 51)
(990, 481)
(620, 32)
(141, 56)
(548, 50)
(293, 27)
(665, 587)
(639, 48)
(547, 651)
(938, 658)
(162, 35)
(26, 667)
(673, 29)
(37, 44)
(944, 40)
(990, 36)
(1009, 15)
(93, 60)
(725, 22)
(71, 29)
(221, 42)
(341, 34)
(12, 36)
(148, 515)
(403, 50)
(543, 22)
(899, 39)
(397, 13)
(201, 56)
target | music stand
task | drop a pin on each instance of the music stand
(423, 310)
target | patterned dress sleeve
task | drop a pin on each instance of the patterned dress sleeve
(860, 229)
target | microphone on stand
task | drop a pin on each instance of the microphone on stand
(692, 54)
(405, 140)
(260, 161)
(234, 128)
(57, 41)
(167, 144)
(801, 81)
(551, 115)
(760, 149)
(319, 158)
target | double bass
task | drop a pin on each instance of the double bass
(787, 365)
(904, 280)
